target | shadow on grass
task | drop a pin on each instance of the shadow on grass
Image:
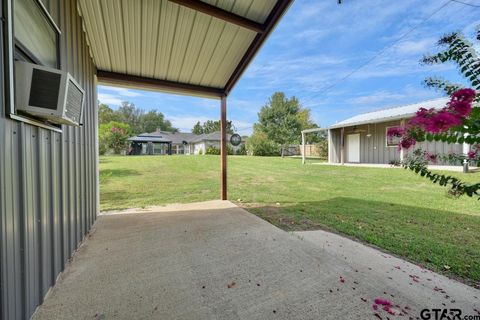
(432, 237)
(106, 174)
(315, 214)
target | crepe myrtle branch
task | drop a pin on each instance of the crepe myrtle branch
(418, 160)
(457, 122)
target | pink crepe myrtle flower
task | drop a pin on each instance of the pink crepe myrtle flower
(442, 121)
(462, 108)
(422, 118)
(466, 94)
(116, 130)
(431, 157)
(395, 132)
(383, 302)
(406, 143)
(472, 154)
(435, 121)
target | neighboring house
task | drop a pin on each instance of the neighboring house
(363, 138)
(164, 142)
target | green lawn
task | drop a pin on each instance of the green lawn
(391, 208)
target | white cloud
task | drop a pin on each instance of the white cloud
(376, 97)
(415, 47)
(243, 127)
(186, 123)
(109, 99)
(123, 92)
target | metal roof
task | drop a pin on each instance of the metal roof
(203, 45)
(149, 139)
(390, 114)
(177, 137)
(214, 136)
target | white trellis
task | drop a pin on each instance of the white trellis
(313, 130)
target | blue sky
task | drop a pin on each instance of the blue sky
(315, 45)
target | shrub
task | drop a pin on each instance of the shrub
(113, 135)
(102, 146)
(242, 150)
(322, 147)
(258, 144)
(212, 150)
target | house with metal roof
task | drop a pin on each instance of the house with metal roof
(168, 143)
(363, 138)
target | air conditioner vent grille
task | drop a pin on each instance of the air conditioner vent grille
(73, 108)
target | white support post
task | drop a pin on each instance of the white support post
(402, 155)
(342, 145)
(303, 147)
(466, 149)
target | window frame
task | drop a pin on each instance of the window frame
(386, 137)
(12, 49)
(25, 51)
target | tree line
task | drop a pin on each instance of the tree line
(116, 126)
(137, 119)
(279, 125)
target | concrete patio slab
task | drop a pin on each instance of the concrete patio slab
(214, 260)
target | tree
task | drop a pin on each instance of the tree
(106, 114)
(113, 135)
(136, 118)
(197, 128)
(282, 120)
(153, 120)
(457, 122)
(130, 115)
(211, 126)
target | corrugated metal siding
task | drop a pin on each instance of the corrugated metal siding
(180, 44)
(334, 146)
(48, 184)
(374, 149)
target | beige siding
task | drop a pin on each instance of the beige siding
(48, 191)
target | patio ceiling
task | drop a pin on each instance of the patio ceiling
(186, 46)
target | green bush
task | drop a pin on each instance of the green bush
(322, 147)
(258, 144)
(242, 151)
(212, 150)
(102, 146)
(216, 151)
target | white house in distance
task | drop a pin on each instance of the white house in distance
(167, 143)
(363, 138)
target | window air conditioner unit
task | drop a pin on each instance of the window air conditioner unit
(48, 93)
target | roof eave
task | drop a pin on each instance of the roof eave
(130, 81)
(346, 125)
(278, 11)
